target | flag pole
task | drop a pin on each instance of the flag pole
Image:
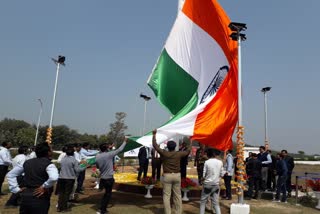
(239, 37)
(144, 116)
(60, 61)
(38, 124)
(266, 140)
(240, 126)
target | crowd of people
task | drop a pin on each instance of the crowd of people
(33, 176)
(267, 172)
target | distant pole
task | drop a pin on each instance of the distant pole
(266, 139)
(38, 124)
(146, 99)
(58, 62)
(145, 116)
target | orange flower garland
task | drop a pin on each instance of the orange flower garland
(240, 161)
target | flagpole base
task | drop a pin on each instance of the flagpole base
(239, 209)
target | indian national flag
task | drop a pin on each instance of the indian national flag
(195, 77)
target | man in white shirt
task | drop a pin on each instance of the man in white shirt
(32, 153)
(229, 167)
(5, 162)
(18, 160)
(212, 172)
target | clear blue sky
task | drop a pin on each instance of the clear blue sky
(112, 46)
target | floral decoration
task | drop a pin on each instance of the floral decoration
(187, 183)
(314, 184)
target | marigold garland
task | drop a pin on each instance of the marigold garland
(241, 172)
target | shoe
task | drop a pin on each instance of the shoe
(277, 201)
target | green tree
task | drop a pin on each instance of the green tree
(25, 136)
(301, 154)
(92, 139)
(102, 138)
(9, 129)
(117, 129)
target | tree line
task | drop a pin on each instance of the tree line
(20, 132)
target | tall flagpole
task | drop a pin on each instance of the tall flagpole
(60, 61)
(266, 140)
(38, 124)
(239, 37)
(54, 95)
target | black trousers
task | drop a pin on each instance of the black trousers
(271, 182)
(34, 205)
(254, 184)
(80, 180)
(65, 189)
(107, 184)
(227, 183)
(156, 168)
(200, 172)
(288, 182)
(183, 170)
(281, 188)
(3, 172)
(143, 167)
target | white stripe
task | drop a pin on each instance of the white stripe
(184, 126)
(195, 51)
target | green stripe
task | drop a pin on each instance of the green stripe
(172, 85)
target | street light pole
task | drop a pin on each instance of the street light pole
(266, 140)
(38, 124)
(236, 28)
(58, 62)
(146, 99)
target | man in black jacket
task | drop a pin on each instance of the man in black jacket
(290, 165)
(143, 162)
(253, 169)
(183, 161)
(156, 165)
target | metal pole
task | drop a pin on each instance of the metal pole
(54, 95)
(265, 122)
(240, 198)
(296, 190)
(38, 124)
(144, 116)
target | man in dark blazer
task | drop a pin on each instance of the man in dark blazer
(143, 161)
